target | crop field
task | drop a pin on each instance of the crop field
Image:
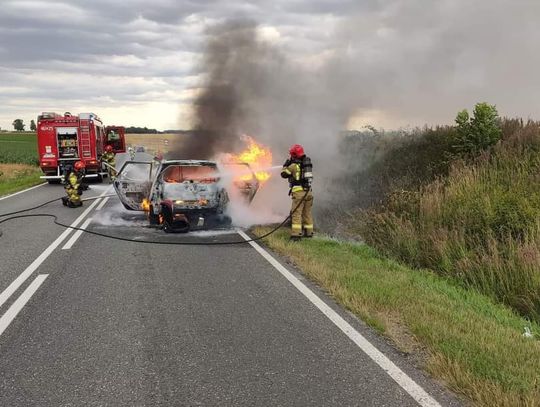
(18, 148)
(154, 142)
(22, 147)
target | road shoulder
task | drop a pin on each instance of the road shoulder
(461, 338)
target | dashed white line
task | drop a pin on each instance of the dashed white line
(24, 190)
(102, 204)
(400, 377)
(76, 235)
(41, 258)
(20, 302)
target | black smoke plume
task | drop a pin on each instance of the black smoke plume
(232, 64)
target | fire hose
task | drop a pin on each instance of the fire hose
(124, 239)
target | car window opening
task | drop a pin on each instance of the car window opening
(199, 174)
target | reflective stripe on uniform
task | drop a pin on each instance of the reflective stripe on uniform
(308, 226)
(297, 188)
(297, 172)
(296, 226)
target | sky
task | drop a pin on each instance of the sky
(386, 63)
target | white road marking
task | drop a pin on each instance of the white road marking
(24, 190)
(42, 257)
(400, 377)
(76, 235)
(102, 204)
(20, 302)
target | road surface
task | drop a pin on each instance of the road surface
(86, 320)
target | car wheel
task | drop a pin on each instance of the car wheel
(167, 227)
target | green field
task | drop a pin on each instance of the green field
(18, 162)
(18, 148)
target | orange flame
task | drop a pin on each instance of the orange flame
(257, 156)
(145, 205)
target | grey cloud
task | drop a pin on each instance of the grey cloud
(412, 59)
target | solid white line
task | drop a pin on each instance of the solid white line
(24, 190)
(400, 377)
(76, 235)
(102, 204)
(20, 302)
(41, 258)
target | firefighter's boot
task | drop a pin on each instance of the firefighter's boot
(65, 200)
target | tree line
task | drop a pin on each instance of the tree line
(18, 125)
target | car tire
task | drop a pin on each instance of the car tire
(167, 228)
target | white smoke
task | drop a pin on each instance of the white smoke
(117, 215)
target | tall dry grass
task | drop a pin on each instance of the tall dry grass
(479, 225)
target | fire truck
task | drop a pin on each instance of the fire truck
(63, 140)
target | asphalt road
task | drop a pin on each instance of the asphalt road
(99, 322)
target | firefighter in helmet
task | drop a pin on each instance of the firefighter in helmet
(298, 170)
(73, 186)
(131, 152)
(158, 158)
(108, 158)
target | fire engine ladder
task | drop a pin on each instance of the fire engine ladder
(85, 139)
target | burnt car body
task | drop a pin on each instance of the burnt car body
(180, 195)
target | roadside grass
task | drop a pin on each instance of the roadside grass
(18, 162)
(14, 177)
(468, 341)
(18, 148)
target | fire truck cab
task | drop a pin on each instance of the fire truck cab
(63, 140)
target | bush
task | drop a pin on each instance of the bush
(478, 133)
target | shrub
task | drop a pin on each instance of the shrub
(478, 133)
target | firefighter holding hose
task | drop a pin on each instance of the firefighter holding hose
(73, 186)
(108, 158)
(298, 170)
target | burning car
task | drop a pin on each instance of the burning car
(182, 195)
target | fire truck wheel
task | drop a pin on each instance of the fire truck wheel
(99, 179)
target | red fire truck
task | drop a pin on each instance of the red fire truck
(63, 140)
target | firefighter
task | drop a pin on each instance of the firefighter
(298, 170)
(131, 152)
(158, 158)
(108, 158)
(73, 186)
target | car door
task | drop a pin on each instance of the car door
(133, 183)
(243, 178)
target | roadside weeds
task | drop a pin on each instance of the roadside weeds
(16, 177)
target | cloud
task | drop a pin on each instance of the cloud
(410, 61)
